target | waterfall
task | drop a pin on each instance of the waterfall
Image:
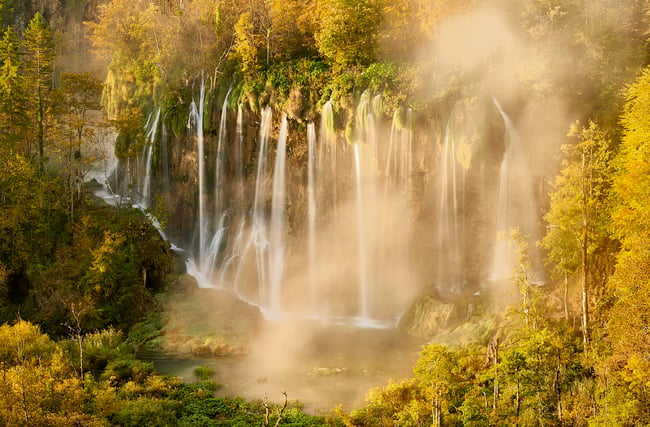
(327, 159)
(239, 157)
(195, 122)
(220, 176)
(448, 231)
(503, 257)
(258, 234)
(311, 211)
(210, 258)
(150, 137)
(516, 206)
(277, 220)
(352, 257)
(407, 151)
(361, 238)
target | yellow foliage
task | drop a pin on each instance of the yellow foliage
(103, 255)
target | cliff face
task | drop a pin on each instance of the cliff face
(66, 18)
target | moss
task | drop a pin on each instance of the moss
(428, 316)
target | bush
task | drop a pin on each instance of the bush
(204, 373)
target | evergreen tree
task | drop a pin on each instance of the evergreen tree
(13, 96)
(39, 59)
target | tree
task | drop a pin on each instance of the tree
(629, 317)
(39, 59)
(73, 101)
(7, 10)
(13, 96)
(246, 47)
(348, 30)
(578, 214)
(435, 371)
(293, 26)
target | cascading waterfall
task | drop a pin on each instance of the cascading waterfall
(195, 124)
(353, 260)
(258, 240)
(516, 206)
(503, 257)
(210, 256)
(239, 216)
(448, 236)
(311, 211)
(361, 238)
(277, 250)
(239, 158)
(220, 175)
(151, 128)
(327, 156)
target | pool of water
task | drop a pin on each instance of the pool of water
(321, 366)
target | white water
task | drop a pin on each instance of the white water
(258, 240)
(239, 158)
(516, 207)
(195, 124)
(311, 212)
(448, 236)
(150, 134)
(277, 221)
(361, 239)
(210, 256)
(220, 175)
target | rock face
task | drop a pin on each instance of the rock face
(66, 18)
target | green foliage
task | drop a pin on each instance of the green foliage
(39, 59)
(13, 96)
(204, 373)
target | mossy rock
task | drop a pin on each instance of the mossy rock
(208, 322)
(428, 316)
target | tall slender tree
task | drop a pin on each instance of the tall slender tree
(39, 59)
(13, 97)
(578, 216)
(72, 132)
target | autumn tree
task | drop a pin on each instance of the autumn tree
(348, 31)
(13, 95)
(39, 59)
(627, 397)
(247, 45)
(435, 370)
(293, 26)
(578, 213)
(74, 102)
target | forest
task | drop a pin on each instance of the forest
(84, 284)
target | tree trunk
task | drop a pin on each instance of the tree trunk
(558, 388)
(584, 252)
(41, 167)
(585, 294)
(566, 296)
